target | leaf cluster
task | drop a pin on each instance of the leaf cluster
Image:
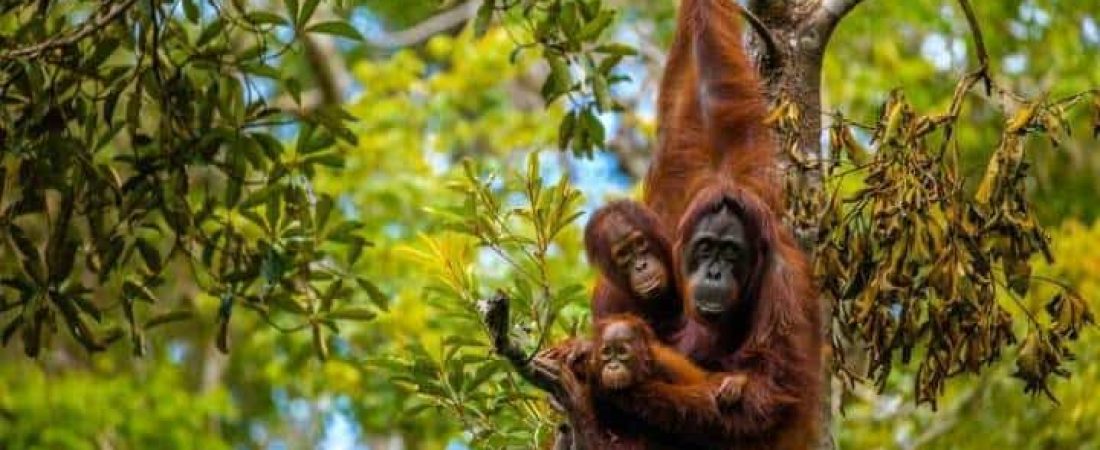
(141, 151)
(921, 265)
(519, 224)
(582, 70)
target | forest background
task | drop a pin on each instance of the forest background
(401, 126)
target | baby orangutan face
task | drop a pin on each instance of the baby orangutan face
(620, 356)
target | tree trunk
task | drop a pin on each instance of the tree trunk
(799, 31)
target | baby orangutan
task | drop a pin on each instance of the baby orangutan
(627, 363)
(627, 355)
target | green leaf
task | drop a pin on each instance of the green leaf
(565, 130)
(352, 313)
(616, 49)
(149, 254)
(336, 28)
(593, 29)
(328, 159)
(593, 126)
(292, 9)
(484, 17)
(560, 79)
(294, 88)
(375, 294)
(191, 11)
(262, 195)
(265, 18)
(211, 31)
(137, 291)
(602, 92)
(307, 12)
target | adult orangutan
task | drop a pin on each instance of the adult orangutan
(627, 357)
(745, 284)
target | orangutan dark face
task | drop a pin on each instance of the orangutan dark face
(718, 262)
(635, 257)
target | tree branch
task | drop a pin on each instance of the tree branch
(428, 28)
(832, 11)
(90, 27)
(979, 44)
(544, 374)
(775, 56)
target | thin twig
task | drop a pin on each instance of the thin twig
(84, 31)
(428, 28)
(979, 45)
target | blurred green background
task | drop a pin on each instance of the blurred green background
(425, 106)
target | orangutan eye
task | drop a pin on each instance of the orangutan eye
(622, 255)
(731, 252)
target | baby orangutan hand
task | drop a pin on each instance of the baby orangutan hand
(729, 391)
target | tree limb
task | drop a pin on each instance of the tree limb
(774, 55)
(428, 28)
(544, 374)
(89, 27)
(832, 11)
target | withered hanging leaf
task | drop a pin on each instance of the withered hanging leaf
(1069, 313)
(778, 112)
(1020, 121)
(1039, 357)
(1018, 273)
(855, 150)
(890, 120)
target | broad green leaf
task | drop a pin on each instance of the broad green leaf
(336, 28)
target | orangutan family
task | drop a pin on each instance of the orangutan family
(707, 327)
